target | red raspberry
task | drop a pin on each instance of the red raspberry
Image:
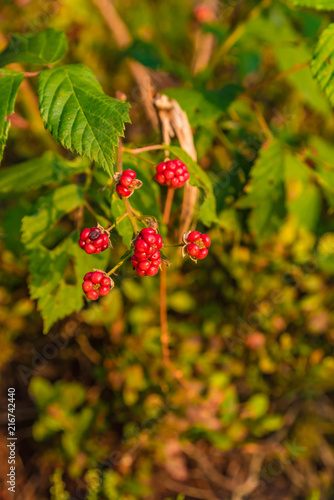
(197, 244)
(193, 236)
(193, 249)
(97, 284)
(172, 173)
(123, 191)
(147, 257)
(126, 183)
(93, 240)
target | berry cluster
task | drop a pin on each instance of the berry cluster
(97, 284)
(172, 173)
(126, 183)
(197, 244)
(93, 240)
(147, 257)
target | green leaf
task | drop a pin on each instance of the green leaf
(323, 60)
(313, 4)
(56, 275)
(266, 192)
(303, 196)
(9, 85)
(46, 47)
(79, 115)
(34, 173)
(256, 406)
(56, 295)
(204, 105)
(51, 208)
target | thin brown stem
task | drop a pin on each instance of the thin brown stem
(129, 151)
(146, 148)
(92, 211)
(168, 205)
(30, 74)
(121, 262)
(280, 76)
(262, 122)
(130, 214)
(237, 33)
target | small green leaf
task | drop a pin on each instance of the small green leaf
(323, 60)
(34, 173)
(51, 208)
(9, 85)
(313, 4)
(56, 297)
(56, 275)
(256, 406)
(265, 192)
(80, 115)
(46, 47)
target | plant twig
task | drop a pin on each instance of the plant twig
(30, 74)
(168, 205)
(130, 214)
(262, 122)
(121, 262)
(146, 148)
(280, 76)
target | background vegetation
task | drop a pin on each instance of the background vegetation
(250, 411)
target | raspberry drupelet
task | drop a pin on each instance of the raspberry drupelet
(172, 173)
(92, 240)
(147, 258)
(97, 284)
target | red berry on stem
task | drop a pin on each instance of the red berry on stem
(203, 252)
(87, 285)
(123, 191)
(141, 246)
(96, 277)
(92, 295)
(84, 234)
(126, 180)
(194, 236)
(147, 230)
(89, 248)
(144, 265)
(206, 240)
(160, 178)
(193, 249)
(149, 238)
(104, 290)
(161, 167)
(130, 173)
(152, 271)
